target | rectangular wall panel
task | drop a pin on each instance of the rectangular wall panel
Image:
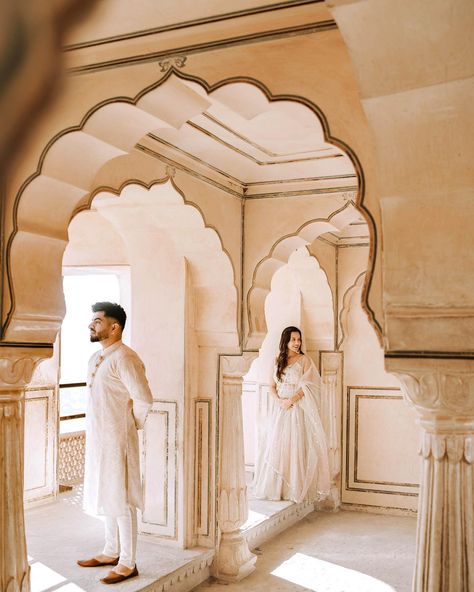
(202, 469)
(40, 444)
(159, 470)
(381, 462)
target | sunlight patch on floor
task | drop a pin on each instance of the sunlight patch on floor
(43, 577)
(323, 576)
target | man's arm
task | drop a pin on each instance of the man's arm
(132, 374)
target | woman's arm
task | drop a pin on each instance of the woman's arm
(297, 396)
(300, 394)
(285, 403)
(273, 390)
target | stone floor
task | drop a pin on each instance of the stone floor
(60, 533)
(342, 552)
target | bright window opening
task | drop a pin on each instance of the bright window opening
(80, 292)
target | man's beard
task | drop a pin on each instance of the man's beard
(94, 338)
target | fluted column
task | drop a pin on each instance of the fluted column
(443, 394)
(16, 369)
(331, 381)
(234, 560)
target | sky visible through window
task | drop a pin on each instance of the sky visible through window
(80, 292)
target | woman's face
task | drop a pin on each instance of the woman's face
(294, 345)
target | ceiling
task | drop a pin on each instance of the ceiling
(236, 135)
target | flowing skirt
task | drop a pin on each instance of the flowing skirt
(293, 463)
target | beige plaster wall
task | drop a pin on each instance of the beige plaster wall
(421, 116)
(378, 426)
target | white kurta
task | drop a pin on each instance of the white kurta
(119, 400)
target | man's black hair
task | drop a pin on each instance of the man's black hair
(112, 310)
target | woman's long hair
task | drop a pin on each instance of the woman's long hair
(282, 360)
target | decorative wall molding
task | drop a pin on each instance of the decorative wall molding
(198, 48)
(202, 466)
(160, 470)
(192, 23)
(40, 435)
(372, 487)
(172, 62)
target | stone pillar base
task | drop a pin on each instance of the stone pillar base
(332, 503)
(234, 560)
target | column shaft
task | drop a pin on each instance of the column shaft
(14, 568)
(234, 560)
(443, 394)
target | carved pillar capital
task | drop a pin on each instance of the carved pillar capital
(234, 368)
(442, 391)
(17, 365)
(437, 388)
(16, 369)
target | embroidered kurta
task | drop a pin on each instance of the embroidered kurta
(293, 461)
(119, 400)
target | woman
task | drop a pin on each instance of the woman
(294, 461)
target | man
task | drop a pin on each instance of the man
(119, 400)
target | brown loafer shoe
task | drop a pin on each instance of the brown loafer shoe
(115, 578)
(95, 562)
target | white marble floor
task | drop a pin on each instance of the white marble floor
(341, 552)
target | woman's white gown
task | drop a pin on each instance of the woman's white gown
(293, 461)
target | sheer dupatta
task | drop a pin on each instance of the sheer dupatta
(317, 482)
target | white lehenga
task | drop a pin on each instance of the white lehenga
(293, 461)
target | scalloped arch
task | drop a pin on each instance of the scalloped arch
(346, 299)
(62, 176)
(279, 255)
(161, 210)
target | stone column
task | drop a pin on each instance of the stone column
(331, 410)
(16, 369)
(234, 560)
(443, 393)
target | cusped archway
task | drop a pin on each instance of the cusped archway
(279, 256)
(234, 136)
